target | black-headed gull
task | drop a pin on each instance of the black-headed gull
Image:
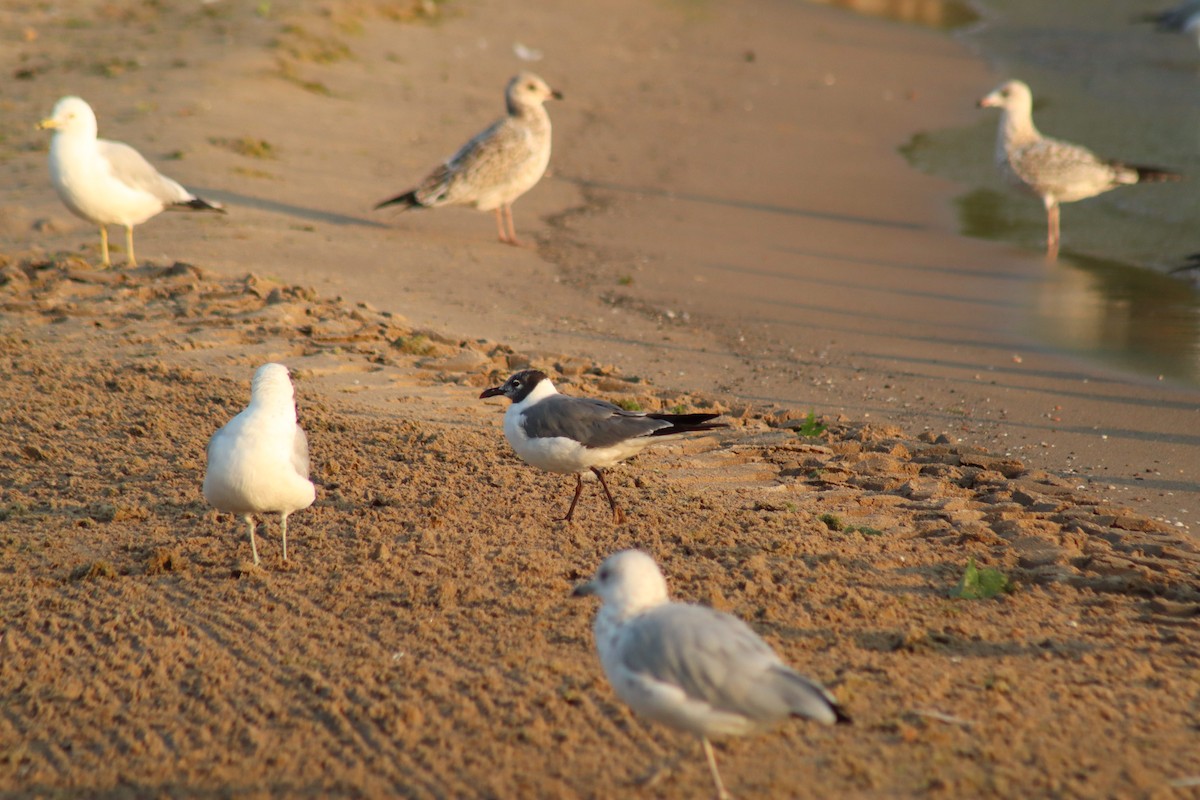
(573, 435)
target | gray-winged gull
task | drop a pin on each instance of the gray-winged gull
(108, 183)
(258, 462)
(691, 667)
(499, 165)
(574, 435)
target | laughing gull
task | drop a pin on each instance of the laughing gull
(258, 462)
(108, 183)
(576, 434)
(689, 666)
(1056, 171)
(499, 165)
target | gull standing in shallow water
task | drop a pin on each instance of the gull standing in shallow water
(108, 183)
(691, 667)
(258, 462)
(577, 434)
(499, 165)
(1056, 171)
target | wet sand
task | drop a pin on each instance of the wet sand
(419, 643)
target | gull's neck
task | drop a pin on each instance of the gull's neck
(630, 599)
(274, 397)
(73, 140)
(532, 114)
(1016, 129)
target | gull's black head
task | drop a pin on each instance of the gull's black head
(517, 387)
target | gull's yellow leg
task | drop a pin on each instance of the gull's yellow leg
(129, 245)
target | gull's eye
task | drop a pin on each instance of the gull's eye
(603, 575)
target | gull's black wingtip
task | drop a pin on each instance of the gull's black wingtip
(200, 204)
(1150, 174)
(1191, 262)
(408, 200)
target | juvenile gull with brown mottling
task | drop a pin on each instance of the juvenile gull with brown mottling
(499, 165)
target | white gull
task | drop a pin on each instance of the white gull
(691, 667)
(108, 183)
(258, 462)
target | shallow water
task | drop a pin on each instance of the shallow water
(1120, 291)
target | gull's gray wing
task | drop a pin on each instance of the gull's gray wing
(485, 161)
(212, 442)
(592, 422)
(717, 658)
(300, 452)
(130, 168)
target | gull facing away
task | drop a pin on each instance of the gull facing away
(258, 462)
(1056, 171)
(499, 165)
(569, 435)
(691, 667)
(108, 183)
(1183, 18)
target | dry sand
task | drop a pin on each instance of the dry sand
(420, 642)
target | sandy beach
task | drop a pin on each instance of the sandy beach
(727, 225)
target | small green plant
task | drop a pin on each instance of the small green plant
(250, 172)
(303, 45)
(832, 521)
(836, 524)
(114, 67)
(629, 404)
(247, 146)
(810, 428)
(981, 584)
(677, 409)
(415, 345)
(625, 280)
(287, 71)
